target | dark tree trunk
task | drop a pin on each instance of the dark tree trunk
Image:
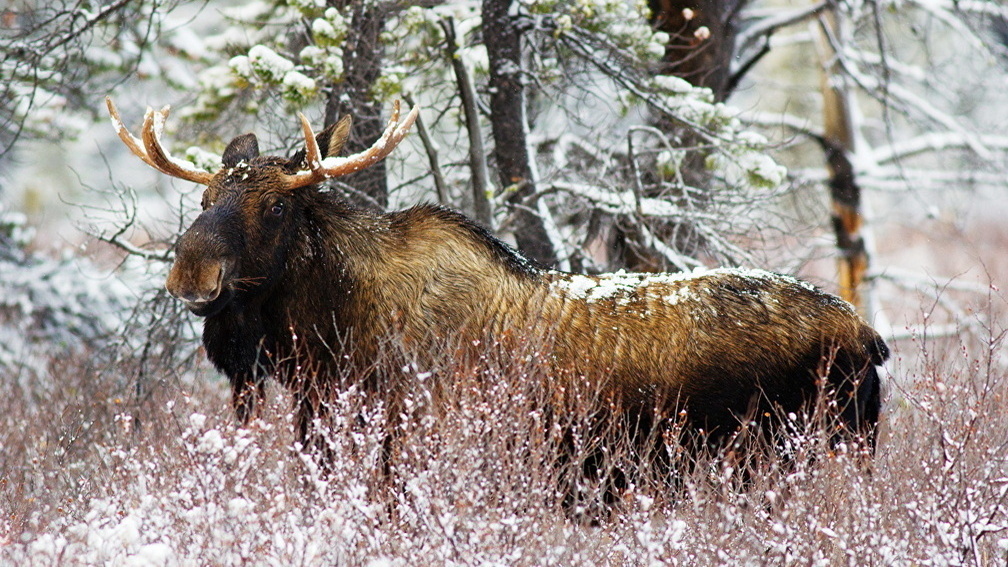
(703, 61)
(362, 64)
(509, 122)
(703, 58)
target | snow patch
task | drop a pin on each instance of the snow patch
(676, 287)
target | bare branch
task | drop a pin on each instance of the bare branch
(481, 190)
(949, 14)
(909, 99)
(116, 237)
(768, 25)
(440, 186)
(684, 263)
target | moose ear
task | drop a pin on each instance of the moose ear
(242, 148)
(331, 140)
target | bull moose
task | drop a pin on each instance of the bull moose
(284, 271)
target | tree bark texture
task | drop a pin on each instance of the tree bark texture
(702, 58)
(509, 126)
(838, 145)
(362, 64)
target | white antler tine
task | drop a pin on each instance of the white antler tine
(313, 156)
(393, 124)
(132, 142)
(148, 146)
(150, 133)
(394, 119)
(407, 122)
(394, 132)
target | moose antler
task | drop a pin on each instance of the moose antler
(320, 169)
(151, 151)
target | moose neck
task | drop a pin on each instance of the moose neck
(329, 272)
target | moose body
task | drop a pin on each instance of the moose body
(297, 284)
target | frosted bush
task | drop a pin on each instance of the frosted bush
(241, 66)
(298, 87)
(471, 488)
(623, 23)
(327, 62)
(308, 6)
(739, 157)
(52, 306)
(266, 65)
(331, 30)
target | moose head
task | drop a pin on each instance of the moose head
(250, 205)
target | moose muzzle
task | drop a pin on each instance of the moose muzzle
(196, 285)
(198, 276)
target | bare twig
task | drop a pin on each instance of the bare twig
(894, 92)
(768, 25)
(432, 156)
(116, 237)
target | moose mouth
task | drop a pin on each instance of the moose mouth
(210, 308)
(208, 303)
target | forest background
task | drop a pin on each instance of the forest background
(856, 143)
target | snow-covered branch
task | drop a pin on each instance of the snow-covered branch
(900, 179)
(908, 101)
(981, 7)
(915, 280)
(798, 124)
(935, 142)
(622, 202)
(773, 21)
(582, 43)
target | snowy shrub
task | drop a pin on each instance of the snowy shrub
(48, 306)
(473, 478)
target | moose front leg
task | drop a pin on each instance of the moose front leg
(246, 394)
(235, 343)
(312, 428)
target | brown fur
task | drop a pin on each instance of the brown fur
(289, 278)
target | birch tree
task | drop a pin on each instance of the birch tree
(910, 112)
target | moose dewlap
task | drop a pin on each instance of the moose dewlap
(285, 273)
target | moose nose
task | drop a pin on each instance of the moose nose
(196, 284)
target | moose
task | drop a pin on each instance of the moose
(284, 271)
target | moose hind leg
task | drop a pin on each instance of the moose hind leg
(857, 390)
